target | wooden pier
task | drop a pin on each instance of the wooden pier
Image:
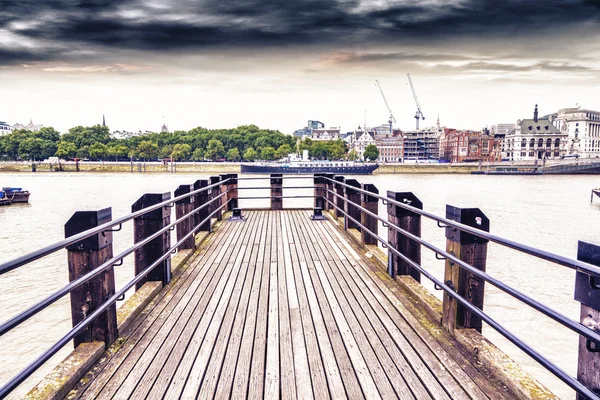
(283, 306)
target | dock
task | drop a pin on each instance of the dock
(288, 303)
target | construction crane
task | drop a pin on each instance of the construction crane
(419, 113)
(392, 118)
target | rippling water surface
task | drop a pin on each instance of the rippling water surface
(548, 212)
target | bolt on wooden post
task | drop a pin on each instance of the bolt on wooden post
(83, 257)
(204, 212)
(587, 292)
(369, 222)
(352, 197)
(410, 222)
(184, 207)
(276, 191)
(146, 225)
(215, 192)
(339, 199)
(472, 250)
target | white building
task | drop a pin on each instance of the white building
(361, 140)
(326, 134)
(5, 128)
(534, 139)
(582, 128)
(30, 126)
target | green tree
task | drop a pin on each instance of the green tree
(117, 151)
(233, 154)
(147, 150)
(83, 152)
(48, 133)
(98, 151)
(166, 151)
(352, 155)
(337, 151)
(198, 154)
(31, 149)
(283, 151)
(66, 150)
(181, 152)
(215, 150)
(371, 153)
(250, 154)
(48, 148)
(267, 153)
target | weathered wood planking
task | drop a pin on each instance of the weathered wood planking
(283, 307)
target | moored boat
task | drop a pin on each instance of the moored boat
(596, 192)
(16, 195)
(310, 167)
(4, 201)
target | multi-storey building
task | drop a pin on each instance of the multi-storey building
(307, 130)
(5, 128)
(534, 139)
(582, 128)
(361, 139)
(455, 146)
(30, 126)
(390, 146)
(325, 134)
(422, 145)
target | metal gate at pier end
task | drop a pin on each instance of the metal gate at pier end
(354, 207)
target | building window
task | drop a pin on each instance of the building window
(531, 154)
(557, 143)
(540, 143)
(556, 154)
(532, 143)
(549, 143)
(522, 154)
(523, 143)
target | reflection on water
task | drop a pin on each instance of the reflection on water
(549, 212)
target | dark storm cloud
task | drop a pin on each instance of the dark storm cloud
(73, 30)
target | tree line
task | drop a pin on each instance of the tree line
(247, 143)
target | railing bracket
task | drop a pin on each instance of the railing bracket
(112, 230)
(121, 297)
(439, 224)
(437, 255)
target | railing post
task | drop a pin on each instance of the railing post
(352, 197)
(410, 222)
(328, 188)
(185, 207)
(371, 204)
(276, 191)
(215, 192)
(319, 191)
(587, 292)
(203, 213)
(232, 195)
(146, 225)
(83, 257)
(339, 201)
(472, 250)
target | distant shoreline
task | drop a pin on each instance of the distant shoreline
(209, 167)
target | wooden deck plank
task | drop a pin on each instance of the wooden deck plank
(347, 371)
(272, 374)
(156, 353)
(150, 318)
(442, 367)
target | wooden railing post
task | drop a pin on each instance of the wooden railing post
(276, 191)
(202, 214)
(185, 207)
(146, 225)
(472, 250)
(587, 292)
(371, 204)
(83, 257)
(410, 222)
(339, 201)
(232, 195)
(327, 188)
(352, 197)
(215, 192)
(319, 191)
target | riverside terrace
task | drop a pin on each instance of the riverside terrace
(285, 303)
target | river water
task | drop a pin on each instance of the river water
(548, 212)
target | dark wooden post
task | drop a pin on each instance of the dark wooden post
(232, 196)
(83, 257)
(276, 191)
(184, 207)
(319, 191)
(215, 192)
(339, 201)
(472, 250)
(587, 292)
(329, 185)
(202, 214)
(352, 197)
(146, 225)
(410, 222)
(372, 204)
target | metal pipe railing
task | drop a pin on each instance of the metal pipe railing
(33, 366)
(35, 255)
(545, 255)
(42, 304)
(555, 370)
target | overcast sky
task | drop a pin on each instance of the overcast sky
(277, 64)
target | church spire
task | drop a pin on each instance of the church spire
(103, 120)
(535, 114)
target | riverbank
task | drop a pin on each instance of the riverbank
(209, 168)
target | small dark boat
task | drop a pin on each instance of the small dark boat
(4, 201)
(16, 195)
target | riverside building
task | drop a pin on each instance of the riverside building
(582, 128)
(5, 128)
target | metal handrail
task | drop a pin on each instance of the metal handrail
(44, 303)
(556, 371)
(35, 255)
(545, 255)
(536, 305)
(32, 367)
